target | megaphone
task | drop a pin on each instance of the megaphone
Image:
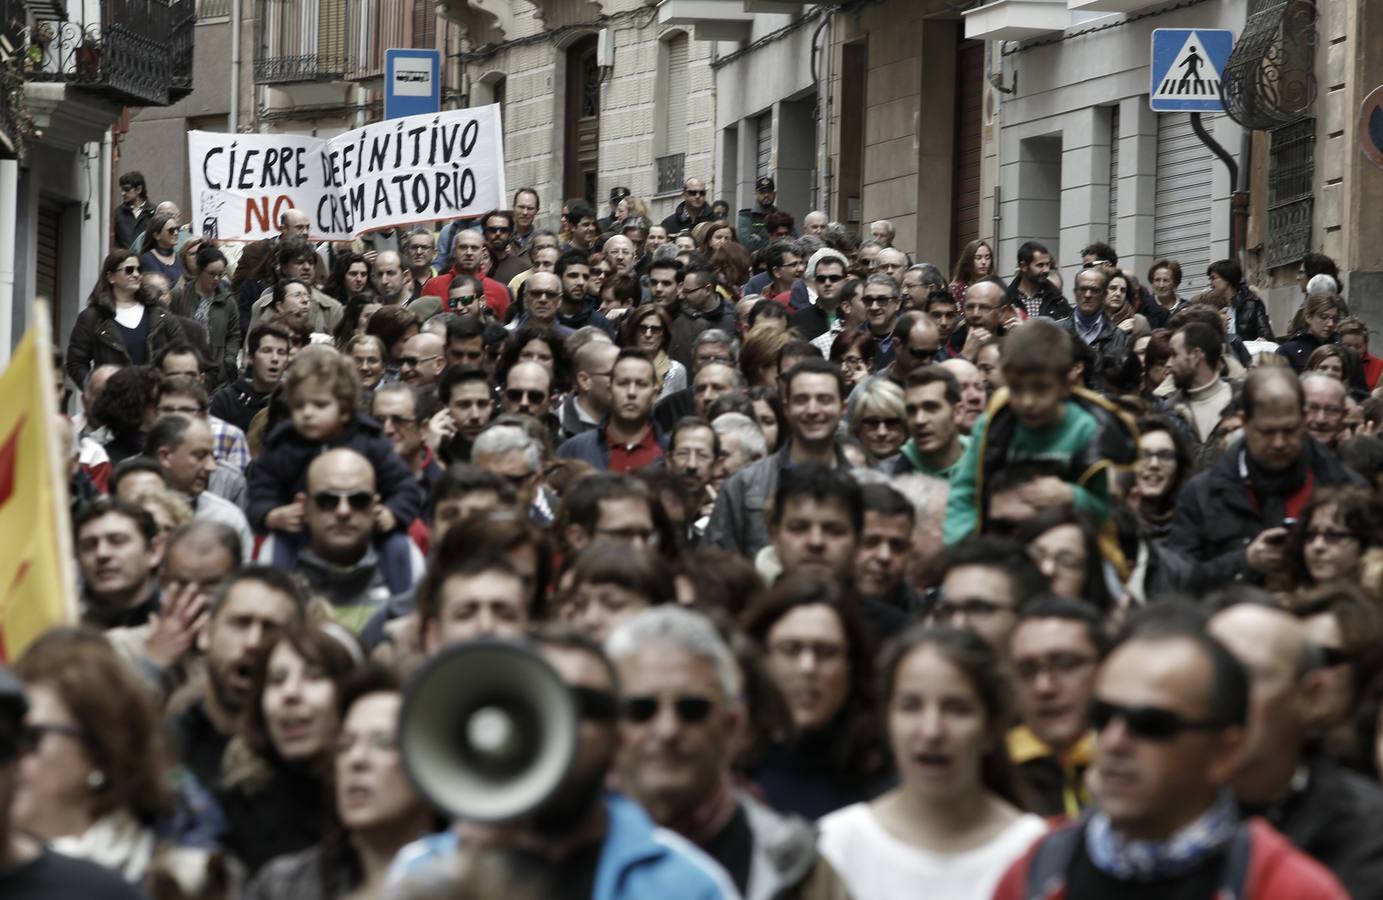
(488, 730)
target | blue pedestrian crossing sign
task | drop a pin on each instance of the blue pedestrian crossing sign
(1187, 65)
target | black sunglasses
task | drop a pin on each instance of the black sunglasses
(690, 709)
(830, 279)
(1147, 722)
(330, 501)
(594, 705)
(518, 395)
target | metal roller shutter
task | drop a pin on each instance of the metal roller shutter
(1181, 213)
(678, 86)
(765, 149)
(1114, 178)
(965, 188)
(47, 273)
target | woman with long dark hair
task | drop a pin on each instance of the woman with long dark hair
(1066, 549)
(121, 324)
(377, 811)
(819, 657)
(955, 822)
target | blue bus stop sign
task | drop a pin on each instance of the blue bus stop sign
(1187, 65)
(412, 82)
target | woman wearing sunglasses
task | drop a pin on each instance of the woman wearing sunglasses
(276, 771)
(649, 328)
(120, 325)
(820, 659)
(954, 823)
(93, 781)
(879, 419)
(1347, 626)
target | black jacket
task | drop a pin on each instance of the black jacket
(1111, 345)
(1337, 818)
(95, 339)
(812, 322)
(1054, 306)
(1298, 349)
(1251, 320)
(128, 226)
(681, 220)
(1215, 519)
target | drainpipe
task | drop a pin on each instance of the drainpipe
(104, 206)
(236, 12)
(9, 211)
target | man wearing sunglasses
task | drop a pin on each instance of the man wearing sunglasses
(343, 560)
(1325, 811)
(1169, 712)
(682, 721)
(468, 251)
(423, 359)
(28, 869)
(699, 308)
(583, 840)
(824, 275)
(692, 211)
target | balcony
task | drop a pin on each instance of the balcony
(1016, 20)
(306, 51)
(713, 20)
(128, 52)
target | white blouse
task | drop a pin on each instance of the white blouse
(875, 865)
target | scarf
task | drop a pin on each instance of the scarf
(116, 842)
(1131, 860)
(1273, 488)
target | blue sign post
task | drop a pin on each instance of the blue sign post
(1187, 65)
(412, 82)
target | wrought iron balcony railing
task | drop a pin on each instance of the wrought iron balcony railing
(137, 53)
(304, 41)
(670, 172)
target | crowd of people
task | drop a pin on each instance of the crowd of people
(867, 579)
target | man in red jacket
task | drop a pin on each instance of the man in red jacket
(1169, 711)
(467, 254)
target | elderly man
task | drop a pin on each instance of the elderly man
(619, 250)
(1332, 814)
(683, 719)
(891, 262)
(984, 319)
(343, 560)
(182, 445)
(741, 444)
(883, 232)
(1092, 325)
(395, 407)
(1231, 519)
(814, 224)
(512, 454)
(1170, 709)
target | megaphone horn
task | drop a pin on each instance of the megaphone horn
(488, 730)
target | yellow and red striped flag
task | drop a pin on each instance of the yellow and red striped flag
(36, 579)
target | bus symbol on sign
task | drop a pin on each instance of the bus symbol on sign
(1187, 64)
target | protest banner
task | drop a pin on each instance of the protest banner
(400, 172)
(36, 579)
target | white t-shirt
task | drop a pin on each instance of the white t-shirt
(875, 865)
(130, 316)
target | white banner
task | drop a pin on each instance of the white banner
(399, 172)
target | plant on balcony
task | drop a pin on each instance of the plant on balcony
(89, 57)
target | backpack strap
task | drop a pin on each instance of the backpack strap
(1051, 859)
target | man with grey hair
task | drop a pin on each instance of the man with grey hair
(683, 720)
(511, 453)
(891, 262)
(714, 345)
(741, 443)
(184, 449)
(883, 232)
(815, 223)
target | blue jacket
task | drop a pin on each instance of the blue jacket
(638, 860)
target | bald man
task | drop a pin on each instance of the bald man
(972, 394)
(1232, 518)
(985, 313)
(1328, 813)
(343, 560)
(619, 250)
(423, 359)
(588, 405)
(815, 223)
(692, 211)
